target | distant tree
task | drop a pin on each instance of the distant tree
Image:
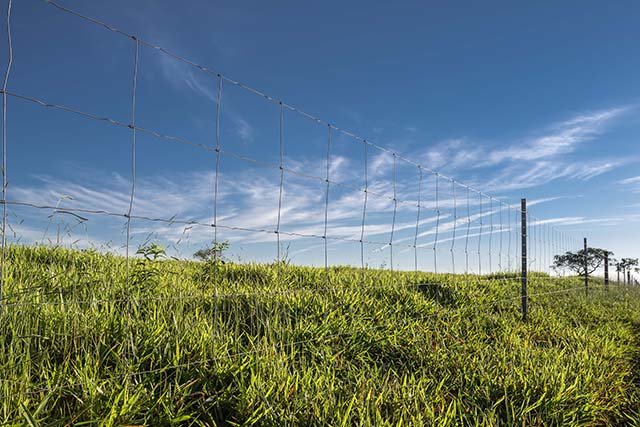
(575, 261)
(618, 265)
(626, 265)
(212, 253)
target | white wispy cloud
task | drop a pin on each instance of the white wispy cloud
(181, 76)
(247, 200)
(243, 129)
(532, 161)
(533, 202)
(632, 180)
(185, 194)
(541, 172)
(632, 183)
(451, 154)
(564, 138)
(613, 220)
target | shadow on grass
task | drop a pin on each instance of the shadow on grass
(442, 295)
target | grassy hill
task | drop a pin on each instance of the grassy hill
(86, 339)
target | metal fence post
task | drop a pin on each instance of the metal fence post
(586, 264)
(523, 291)
(606, 270)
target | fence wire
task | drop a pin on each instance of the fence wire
(426, 221)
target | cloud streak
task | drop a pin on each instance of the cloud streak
(564, 138)
(532, 161)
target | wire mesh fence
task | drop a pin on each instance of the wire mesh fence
(317, 188)
(221, 162)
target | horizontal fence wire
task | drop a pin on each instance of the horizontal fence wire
(248, 88)
(140, 41)
(260, 163)
(218, 151)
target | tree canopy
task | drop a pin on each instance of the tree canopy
(575, 261)
(628, 263)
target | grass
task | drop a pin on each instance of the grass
(84, 339)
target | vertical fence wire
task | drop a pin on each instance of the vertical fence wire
(563, 247)
(490, 234)
(133, 128)
(216, 182)
(364, 206)
(554, 248)
(435, 242)
(133, 146)
(558, 251)
(509, 242)
(500, 265)
(554, 245)
(455, 222)
(524, 224)
(543, 247)
(326, 204)
(544, 267)
(480, 238)
(5, 82)
(540, 245)
(518, 234)
(395, 211)
(415, 238)
(557, 245)
(532, 245)
(533, 262)
(547, 250)
(541, 262)
(561, 250)
(466, 243)
(281, 186)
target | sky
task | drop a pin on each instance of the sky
(518, 100)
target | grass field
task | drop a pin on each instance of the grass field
(182, 343)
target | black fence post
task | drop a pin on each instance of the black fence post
(586, 265)
(606, 270)
(523, 291)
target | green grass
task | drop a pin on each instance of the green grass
(84, 339)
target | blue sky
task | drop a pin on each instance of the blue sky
(536, 100)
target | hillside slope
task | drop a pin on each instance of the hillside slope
(84, 338)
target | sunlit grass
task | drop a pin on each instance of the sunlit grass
(86, 339)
